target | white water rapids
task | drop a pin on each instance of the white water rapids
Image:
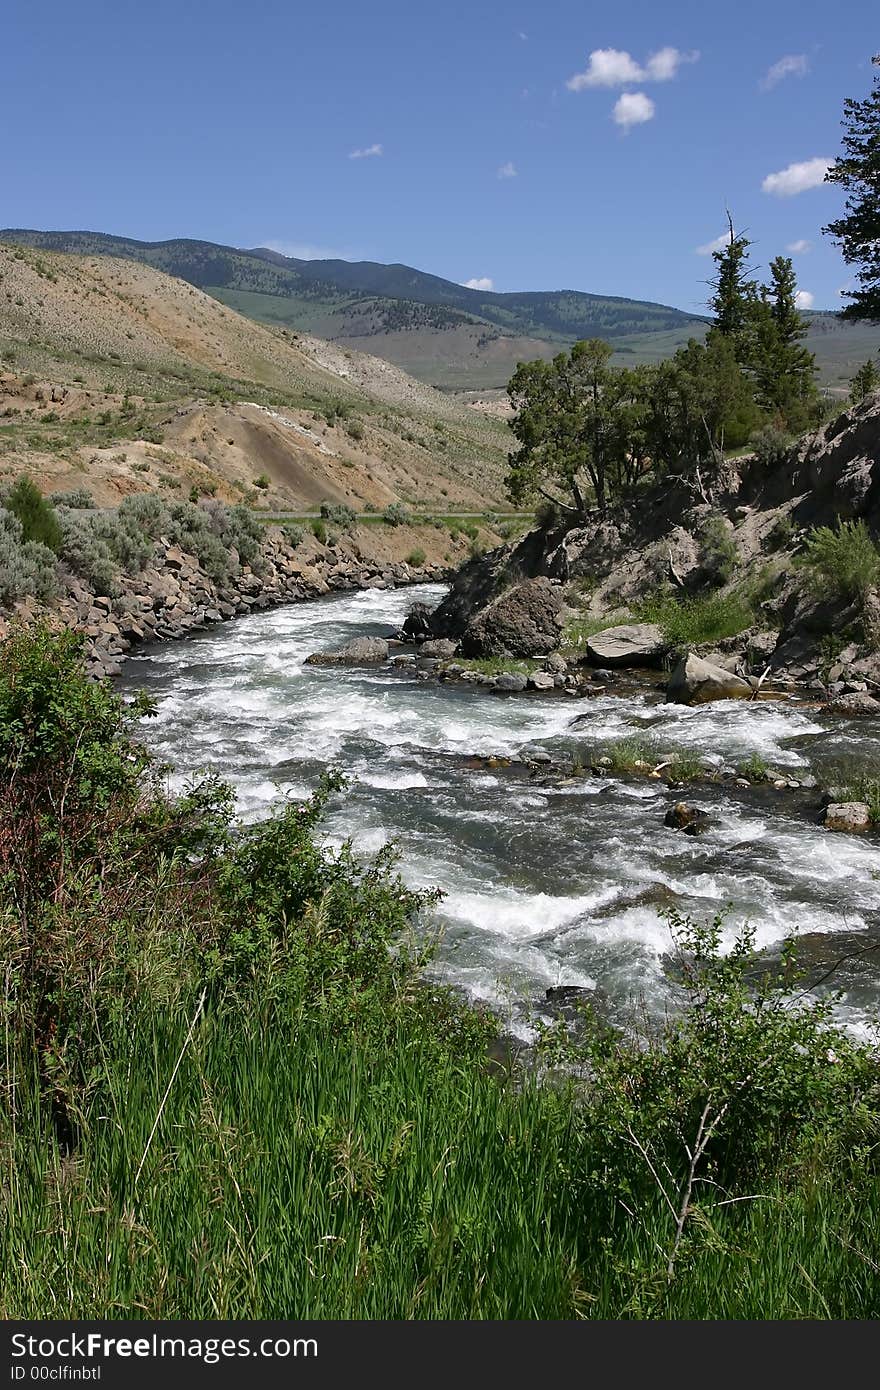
(546, 884)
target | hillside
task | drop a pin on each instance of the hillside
(442, 332)
(116, 377)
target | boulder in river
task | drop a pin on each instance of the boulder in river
(695, 681)
(690, 819)
(854, 816)
(361, 651)
(857, 702)
(629, 644)
(524, 620)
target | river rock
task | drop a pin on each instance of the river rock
(695, 682)
(417, 623)
(542, 680)
(690, 819)
(630, 644)
(853, 816)
(857, 702)
(442, 647)
(511, 682)
(361, 651)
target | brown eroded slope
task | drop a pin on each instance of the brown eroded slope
(115, 377)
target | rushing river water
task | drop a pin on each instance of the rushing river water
(546, 884)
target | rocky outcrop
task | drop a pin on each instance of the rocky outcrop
(522, 621)
(631, 644)
(695, 682)
(360, 651)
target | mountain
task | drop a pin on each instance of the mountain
(119, 377)
(445, 334)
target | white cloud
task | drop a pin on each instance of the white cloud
(663, 65)
(632, 108)
(804, 299)
(507, 171)
(614, 67)
(717, 245)
(792, 65)
(479, 282)
(369, 152)
(797, 178)
(800, 247)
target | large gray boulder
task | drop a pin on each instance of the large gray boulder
(695, 682)
(852, 816)
(361, 651)
(523, 620)
(630, 644)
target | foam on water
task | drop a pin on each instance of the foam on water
(546, 884)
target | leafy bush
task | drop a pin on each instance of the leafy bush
(319, 531)
(78, 498)
(293, 534)
(416, 558)
(355, 430)
(747, 1084)
(396, 514)
(37, 516)
(844, 559)
(261, 482)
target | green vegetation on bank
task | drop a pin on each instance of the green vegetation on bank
(38, 542)
(232, 1092)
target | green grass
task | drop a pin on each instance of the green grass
(578, 629)
(374, 1174)
(688, 622)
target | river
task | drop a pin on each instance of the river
(548, 881)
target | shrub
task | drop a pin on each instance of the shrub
(844, 559)
(37, 516)
(78, 498)
(771, 446)
(87, 553)
(355, 430)
(718, 552)
(293, 534)
(261, 482)
(396, 514)
(338, 514)
(416, 558)
(319, 531)
(27, 568)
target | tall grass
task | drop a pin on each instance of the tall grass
(299, 1173)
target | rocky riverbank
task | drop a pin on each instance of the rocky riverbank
(174, 595)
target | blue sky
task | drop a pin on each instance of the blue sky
(536, 146)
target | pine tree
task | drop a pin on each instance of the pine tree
(865, 382)
(784, 370)
(735, 294)
(858, 171)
